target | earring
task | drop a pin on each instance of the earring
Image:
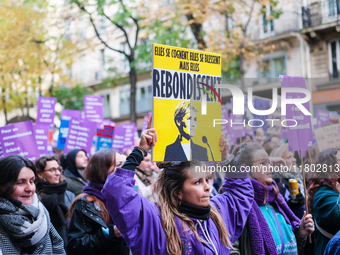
(44, 180)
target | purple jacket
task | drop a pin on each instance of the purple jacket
(139, 223)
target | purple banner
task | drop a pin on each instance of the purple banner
(109, 123)
(225, 116)
(260, 104)
(41, 136)
(145, 121)
(70, 114)
(118, 139)
(46, 110)
(322, 118)
(236, 127)
(93, 107)
(80, 135)
(300, 137)
(18, 138)
(130, 133)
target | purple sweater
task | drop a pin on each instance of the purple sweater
(139, 223)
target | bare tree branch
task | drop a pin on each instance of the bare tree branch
(120, 27)
(250, 13)
(97, 33)
(134, 20)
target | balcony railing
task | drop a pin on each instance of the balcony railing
(320, 12)
(287, 22)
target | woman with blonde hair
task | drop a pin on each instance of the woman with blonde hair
(185, 220)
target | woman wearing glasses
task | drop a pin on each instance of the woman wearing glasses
(51, 189)
(272, 228)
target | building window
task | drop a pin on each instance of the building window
(273, 67)
(106, 106)
(333, 7)
(268, 22)
(102, 54)
(334, 58)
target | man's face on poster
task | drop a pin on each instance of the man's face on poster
(188, 125)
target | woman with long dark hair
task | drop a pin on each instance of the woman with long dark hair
(25, 226)
(184, 220)
(91, 229)
(323, 198)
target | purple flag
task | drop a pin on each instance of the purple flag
(70, 114)
(18, 138)
(41, 136)
(130, 131)
(236, 127)
(80, 135)
(107, 122)
(322, 118)
(46, 110)
(145, 121)
(300, 137)
(93, 107)
(260, 104)
(118, 139)
(225, 116)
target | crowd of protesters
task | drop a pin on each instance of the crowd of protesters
(113, 203)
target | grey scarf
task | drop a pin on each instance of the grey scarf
(26, 224)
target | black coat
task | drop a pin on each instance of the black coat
(86, 236)
(175, 152)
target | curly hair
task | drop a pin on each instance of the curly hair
(328, 179)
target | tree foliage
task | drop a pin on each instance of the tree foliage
(71, 97)
(33, 52)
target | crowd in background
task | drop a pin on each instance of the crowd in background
(81, 209)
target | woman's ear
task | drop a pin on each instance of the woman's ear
(178, 194)
(40, 176)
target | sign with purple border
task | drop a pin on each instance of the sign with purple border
(18, 138)
(118, 139)
(80, 135)
(67, 114)
(46, 110)
(41, 136)
(300, 137)
(129, 139)
(93, 107)
(322, 118)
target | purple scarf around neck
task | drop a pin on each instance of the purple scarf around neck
(261, 239)
(94, 188)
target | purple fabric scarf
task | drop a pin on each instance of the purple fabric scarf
(94, 188)
(261, 239)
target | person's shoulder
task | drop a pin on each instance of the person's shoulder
(173, 145)
(333, 246)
